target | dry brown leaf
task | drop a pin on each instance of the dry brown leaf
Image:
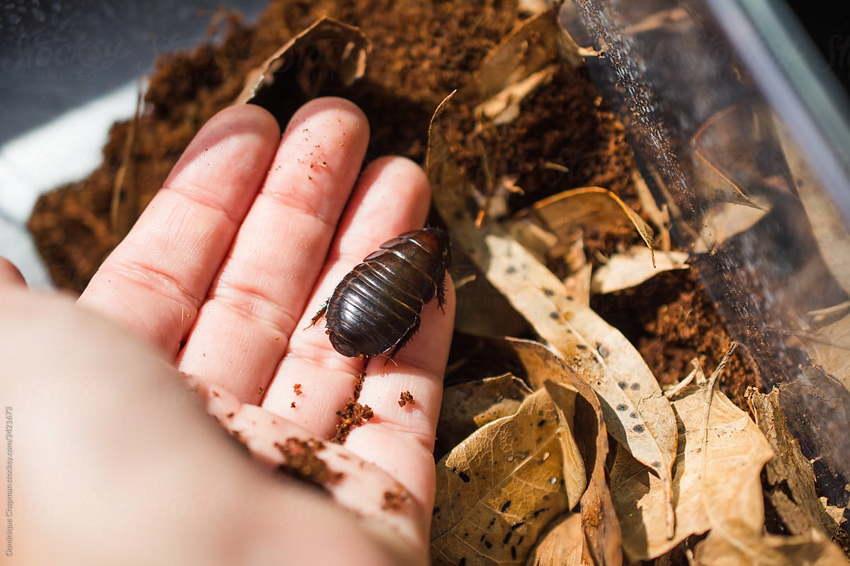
(575, 477)
(789, 476)
(469, 406)
(739, 145)
(724, 221)
(561, 545)
(497, 491)
(481, 309)
(323, 59)
(124, 208)
(569, 257)
(818, 407)
(594, 207)
(736, 545)
(630, 269)
(827, 224)
(534, 238)
(829, 347)
(524, 60)
(717, 477)
(504, 107)
(659, 216)
(599, 520)
(531, 7)
(832, 517)
(636, 412)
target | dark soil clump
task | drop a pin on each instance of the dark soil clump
(303, 462)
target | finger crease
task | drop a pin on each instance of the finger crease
(152, 279)
(308, 206)
(326, 360)
(195, 197)
(393, 429)
(254, 306)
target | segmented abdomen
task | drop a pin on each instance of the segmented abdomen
(379, 301)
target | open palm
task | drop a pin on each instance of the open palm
(232, 258)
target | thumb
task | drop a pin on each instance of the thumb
(10, 276)
(113, 461)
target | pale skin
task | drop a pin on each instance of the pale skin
(115, 458)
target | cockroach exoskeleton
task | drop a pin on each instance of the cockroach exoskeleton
(375, 308)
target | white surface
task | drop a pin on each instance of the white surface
(62, 151)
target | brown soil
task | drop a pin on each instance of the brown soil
(675, 322)
(351, 416)
(395, 500)
(406, 398)
(303, 462)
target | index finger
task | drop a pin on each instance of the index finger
(155, 280)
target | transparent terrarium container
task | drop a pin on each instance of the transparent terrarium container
(741, 131)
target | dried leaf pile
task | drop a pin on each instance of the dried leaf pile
(578, 439)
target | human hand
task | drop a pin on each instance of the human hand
(227, 266)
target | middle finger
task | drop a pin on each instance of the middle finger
(256, 299)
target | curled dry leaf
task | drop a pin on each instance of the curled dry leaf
(827, 224)
(593, 207)
(741, 154)
(323, 59)
(499, 489)
(636, 412)
(726, 220)
(624, 271)
(717, 477)
(124, 208)
(469, 406)
(524, 60)
(790, 480)
(832, 517)
(481, 310)
(598, 518)
(659, 216)
(829, 347)
(561, 545)
(818, 407)
(738, 546)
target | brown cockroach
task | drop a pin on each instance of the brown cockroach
(375, 308)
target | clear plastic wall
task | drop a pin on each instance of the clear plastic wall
(740, 129)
